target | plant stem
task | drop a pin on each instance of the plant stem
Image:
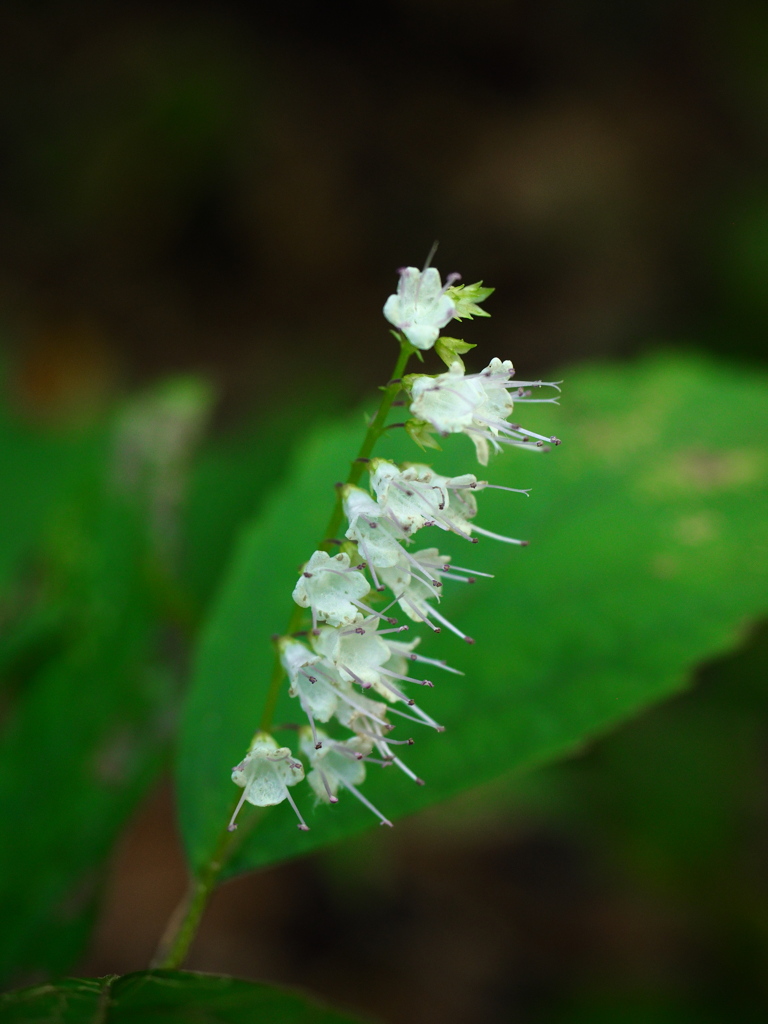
(185, 920)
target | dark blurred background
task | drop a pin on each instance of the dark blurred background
(228, 189)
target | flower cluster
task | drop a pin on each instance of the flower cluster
(352, 666)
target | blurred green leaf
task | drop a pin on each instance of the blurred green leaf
(38, 467)
(90, 720)
(640, 523)
(79, 747)
(231, 477)
(149, 997)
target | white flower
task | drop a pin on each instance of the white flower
(420, 308)
(370, 529)
(448, 401)
(461, 505)
(264, 774)
(360, 655)
(339, 764)
(414, 592)
(408, 497)
(357, 652)
(416, 496)
(478, 405)
(331, 589)
(313, 680)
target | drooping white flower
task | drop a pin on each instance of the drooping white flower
(409, 497)
(463, 507)
(357, 652)
(312, 679)
(339, 764)
(417, 496)
(421, 307)
(265, 773)
(448, 401)
(478, 405)
(331, 588)
(360, 654)
(370, 529)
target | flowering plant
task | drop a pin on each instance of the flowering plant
(347, 658)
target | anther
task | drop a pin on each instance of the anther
(307, 575)
(362, 460)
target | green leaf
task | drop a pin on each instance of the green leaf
(640, 523)
(231, 476)
(89, 722)
(38, 467)
(152, 997)
(82, 742)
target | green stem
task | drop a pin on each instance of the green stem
(185, 920)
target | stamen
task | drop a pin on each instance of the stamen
(421, 566)
(450, 625)
(378, 737)
(423, 718)
(434, 661)
(366, 712)
(302, 826)
(347, 751)
(232, 826)
(515, 490)
(370, 611)
(357, 679)
(407, 679)
(376, 581)
(420, 613)
(398, 693)
(498, 536)
(331, 798)
(308, 713)
(363, 800)
(404, 768)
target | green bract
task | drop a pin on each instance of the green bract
(465, 298)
